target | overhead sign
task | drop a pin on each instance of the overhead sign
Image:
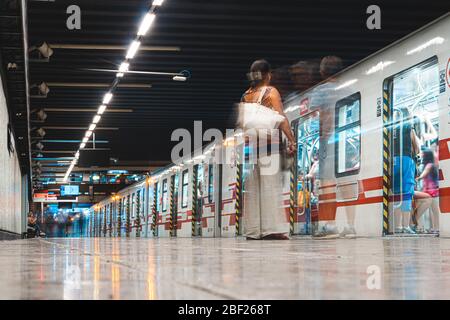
(70, 190)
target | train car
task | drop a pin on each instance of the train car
(349, 170)
(351, 126)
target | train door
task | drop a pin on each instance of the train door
(197, 205)
(209, 201)
(306, 175)
(411, 163)
(174, 203)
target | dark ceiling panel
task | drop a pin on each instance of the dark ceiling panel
(218, 41)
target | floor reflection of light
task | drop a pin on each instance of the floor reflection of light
(96, 294)
(151, 276)
(115, 271)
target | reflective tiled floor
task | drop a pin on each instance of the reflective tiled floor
(408, 268)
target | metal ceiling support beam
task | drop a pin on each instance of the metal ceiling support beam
(52, 159)
(144, 169)
(53, 151)
(110, 47)
(24, 8)
(72, 141)
(87, 110)
(78, 128)
(96, 85)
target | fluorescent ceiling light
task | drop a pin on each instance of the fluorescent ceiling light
(85, 139)
(158, 3)
(96, 119)
(92, 127)
(146, 24)
(179, 78)
(88, 134)
(77, 155)
(120, 75)
(101, 109)
(133, 49)
(437, 40)
(107, 98)
(83, 145)
(124, 67)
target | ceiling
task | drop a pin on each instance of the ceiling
(12, 61)
(215, 40)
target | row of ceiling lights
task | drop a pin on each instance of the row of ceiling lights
(145, 25)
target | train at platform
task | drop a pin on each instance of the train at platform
(345, 169)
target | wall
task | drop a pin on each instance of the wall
(11, 215)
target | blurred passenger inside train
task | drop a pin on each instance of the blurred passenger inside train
(324, 99)
(406, 149)
(304, 75)
(426, 132)
(324, 96)
(430, 186)
(263, 214)
(281, 79)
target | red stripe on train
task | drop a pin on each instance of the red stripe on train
(444, 150)
(444, 199)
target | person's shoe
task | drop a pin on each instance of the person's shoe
(408, 230)
(328, 232)
(276, 236)
(434, 231)
(399, 230)
(419, 230)
(348, 233)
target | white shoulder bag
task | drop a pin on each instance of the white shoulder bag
(258, 116)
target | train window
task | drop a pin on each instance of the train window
(164, 196)
(210, 183)
(133, 206)
(184, 189)
(348, 135)
(158, 202)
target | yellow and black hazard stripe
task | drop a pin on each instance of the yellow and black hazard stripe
(172, 206)
(128, 217)
(110, 220)
(386, 160)
(138, 213)
(119, 219)
(238, 200)
(154, 213)
(194, 198)
(292, 190)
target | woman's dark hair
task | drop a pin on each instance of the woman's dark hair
(428, 157)
(259, 71)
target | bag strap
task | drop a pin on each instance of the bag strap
(261, 96)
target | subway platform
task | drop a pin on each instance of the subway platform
(103, 268)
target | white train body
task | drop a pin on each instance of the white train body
(366, 95)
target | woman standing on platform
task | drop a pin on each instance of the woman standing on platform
(263, 214)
